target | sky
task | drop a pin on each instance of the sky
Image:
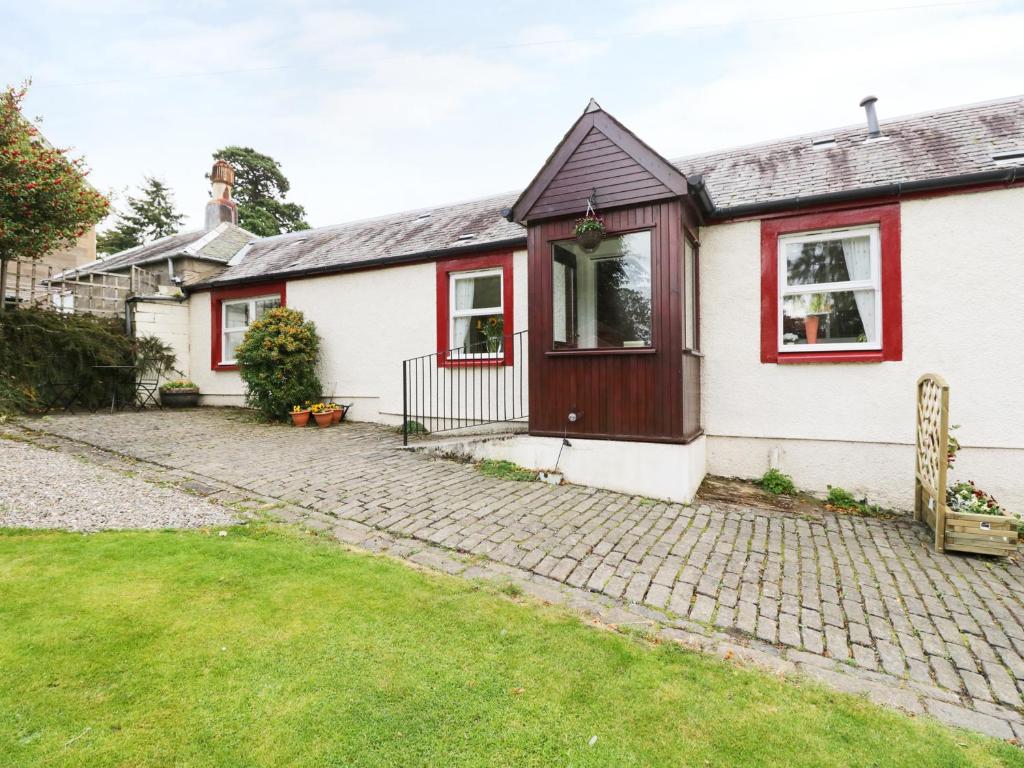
(380, 107)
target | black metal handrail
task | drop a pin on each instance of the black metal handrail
(484, 383)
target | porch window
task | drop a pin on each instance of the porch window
(477, 319)
(602, 299)
(830, 292)
(237, 316)
(830, 287)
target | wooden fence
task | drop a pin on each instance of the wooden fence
(31, 283)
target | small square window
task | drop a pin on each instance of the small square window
(830, 295)
(238, 315)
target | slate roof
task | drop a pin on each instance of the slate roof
(219, 244)
(931, 145)
(396, 237)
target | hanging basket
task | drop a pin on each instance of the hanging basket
(589, 239)
(589, 232)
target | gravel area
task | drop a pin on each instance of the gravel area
(46, 489)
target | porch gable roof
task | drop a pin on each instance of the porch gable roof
(598, 155)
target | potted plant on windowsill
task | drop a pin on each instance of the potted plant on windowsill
(818, 307)
(589, 231)
(180, 393)
(492, 330)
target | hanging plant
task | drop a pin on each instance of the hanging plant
(590, 231)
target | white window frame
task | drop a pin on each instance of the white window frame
(874, 283)
(224, 330)
(456, 352)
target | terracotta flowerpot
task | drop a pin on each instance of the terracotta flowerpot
(590, 239)
(301, 418)
(811, 328)
(336, 414)
(324, 419)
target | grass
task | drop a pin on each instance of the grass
(505, 470)
(269, 647)
(840, 498)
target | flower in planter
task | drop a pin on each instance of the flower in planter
(299, 408)
(179, 384)
(319, 408)
(968, 498)
(589, 223)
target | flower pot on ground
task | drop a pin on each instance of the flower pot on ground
(323, 414)
(336, 412)
(300, 418)
(179, 394)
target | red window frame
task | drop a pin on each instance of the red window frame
(445, 268)
(887, 217)
(217, 297)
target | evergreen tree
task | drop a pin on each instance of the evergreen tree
(260, 189)
(149, 217)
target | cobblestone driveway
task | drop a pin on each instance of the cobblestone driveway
(869, 594)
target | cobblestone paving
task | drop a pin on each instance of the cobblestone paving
(841, 594)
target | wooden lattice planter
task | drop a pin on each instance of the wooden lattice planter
(955, 531)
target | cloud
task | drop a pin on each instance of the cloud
(810, 75)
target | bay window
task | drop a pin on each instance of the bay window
(601, 298)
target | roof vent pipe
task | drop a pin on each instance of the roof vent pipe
(868, 102)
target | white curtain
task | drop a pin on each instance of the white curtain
(558, 319)
(464, 290)
(857, 254)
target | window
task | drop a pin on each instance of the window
(831, 287)
(602, 298)
(474, 309)
(237, 316)
(232, 311)
(477, 318)
(829, 290)
(690, 334)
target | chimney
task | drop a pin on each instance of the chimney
(868, 102)
(221, 207)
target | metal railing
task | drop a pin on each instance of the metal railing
(465, 387)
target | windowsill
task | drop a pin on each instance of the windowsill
(492, 362)
(599, 351)
(226, 367)
(834, 356)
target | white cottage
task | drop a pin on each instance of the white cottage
(770, 305)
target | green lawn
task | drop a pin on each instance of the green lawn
(274, 648)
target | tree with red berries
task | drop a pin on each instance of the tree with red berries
(45, 202)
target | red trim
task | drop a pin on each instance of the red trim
(218, 296)
(486, 261)
(888, 219)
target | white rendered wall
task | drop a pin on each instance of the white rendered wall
(852, 424)
(168, 321)
(658, 470)
(215, 387)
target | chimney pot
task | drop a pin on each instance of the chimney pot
(221, 207)
(868, 102)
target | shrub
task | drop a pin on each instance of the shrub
(40, 350)
(777, 482)
(179, 384)
(277, 360)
